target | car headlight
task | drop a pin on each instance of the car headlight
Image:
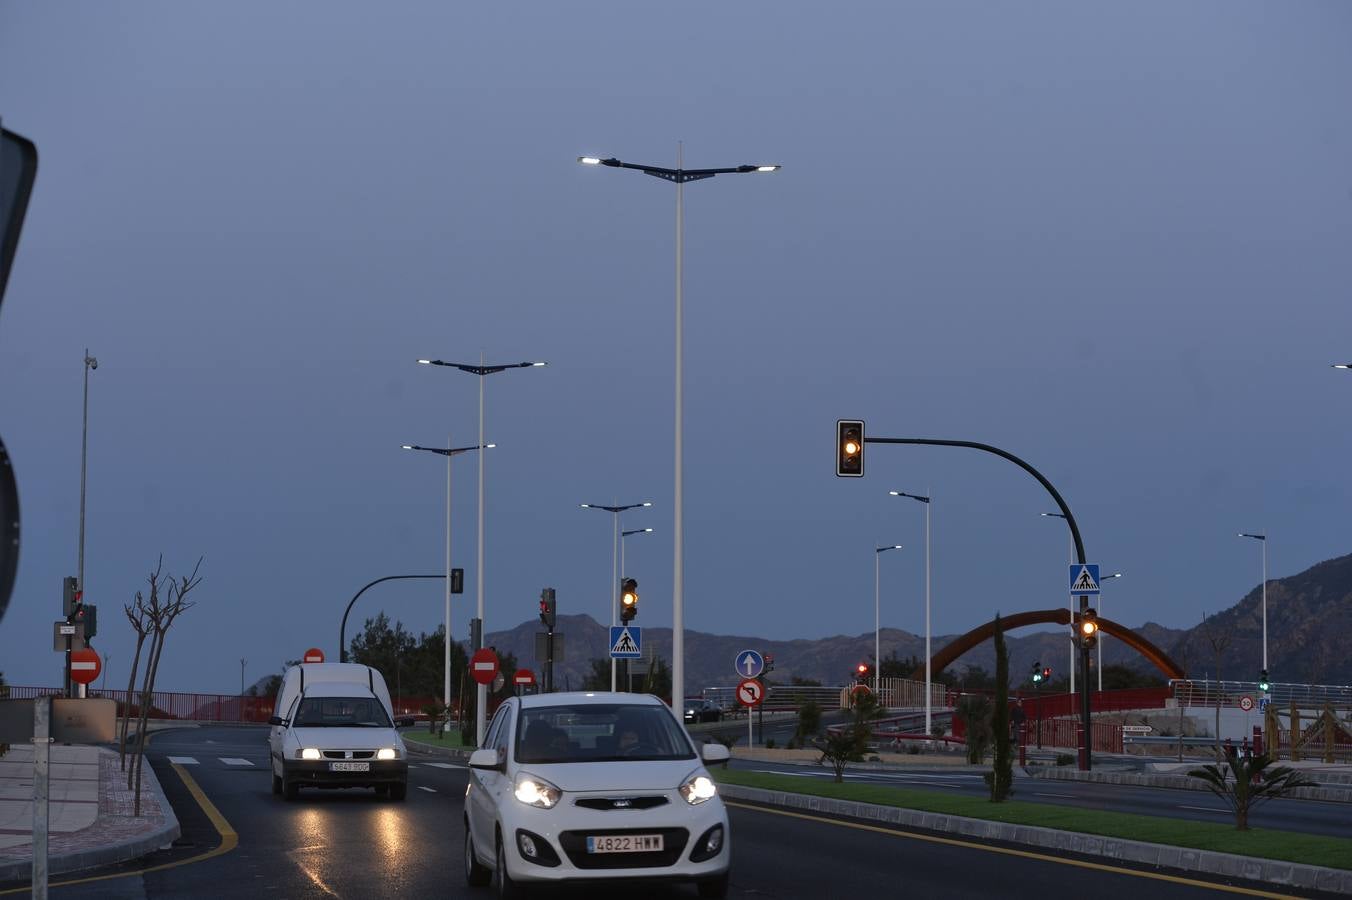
(534, 791)
(698, 788)
(387, 753)
(309, 753)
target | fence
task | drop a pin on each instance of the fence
(228, 708)
(1203, 692)
(778, 697)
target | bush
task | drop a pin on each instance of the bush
(769, 743)
(809, 720)
(1065, 759)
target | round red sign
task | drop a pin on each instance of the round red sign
(483, 665)
(750, 692)
(313, 655)
(84, 666)
(524, 676)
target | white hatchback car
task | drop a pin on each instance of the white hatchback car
(593, 787)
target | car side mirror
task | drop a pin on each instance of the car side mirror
(276, 720)
(715, 753)
(486, 759)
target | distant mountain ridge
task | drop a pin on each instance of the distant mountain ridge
(1309, 639)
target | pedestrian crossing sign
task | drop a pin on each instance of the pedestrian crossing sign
(1084, 578)
(626, 642)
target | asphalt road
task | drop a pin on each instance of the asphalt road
(351, 844)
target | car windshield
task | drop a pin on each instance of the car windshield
(341, 712)
(594, 732)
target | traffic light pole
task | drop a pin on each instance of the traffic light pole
(1085, 750)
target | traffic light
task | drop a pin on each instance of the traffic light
(1264, 684)
(70, 596)
(849, 448)
(628, 600)
(547, 608)
(91, 620)
(1037, 672)
(861, 672)
(1047, 673)
(769, 662)
(1088, 629)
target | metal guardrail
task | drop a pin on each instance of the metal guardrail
(1207, 692)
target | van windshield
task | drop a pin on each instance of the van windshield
(341, 712)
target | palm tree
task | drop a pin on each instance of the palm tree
(1253, 783)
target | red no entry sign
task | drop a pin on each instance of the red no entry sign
(313, 655)
(524, 677)
(84, 666)
(483, 665)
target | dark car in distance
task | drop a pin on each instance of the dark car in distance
(698, 709)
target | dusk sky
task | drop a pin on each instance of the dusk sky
(1112, 238)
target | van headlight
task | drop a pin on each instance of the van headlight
(387, 753)
(698, 788)
(534, 791)
(308, 753)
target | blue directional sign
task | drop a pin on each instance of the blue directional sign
(749, 664)
(626, 642)
(1084, 578)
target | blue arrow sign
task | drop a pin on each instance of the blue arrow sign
(749, 664)
(1084, 578)
(626, 642)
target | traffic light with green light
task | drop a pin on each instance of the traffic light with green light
(1264, 684)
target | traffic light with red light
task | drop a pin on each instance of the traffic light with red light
(849, 448)
(547, 608)
(628, 600)
(1047, 674)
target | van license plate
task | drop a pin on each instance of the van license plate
(625, 843)
(349, 767)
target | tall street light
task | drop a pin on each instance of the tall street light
(449, 453)
(625, 534)
(1262, 539)
(89, 363)
(1057, 515)
(481, 370)
(1099, 642)
(928, 674)
(678, 176)
(877, 629)
(614, 563)
(1342, 365)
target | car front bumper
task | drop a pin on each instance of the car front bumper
(320, 773)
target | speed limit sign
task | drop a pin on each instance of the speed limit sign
(1246, 703)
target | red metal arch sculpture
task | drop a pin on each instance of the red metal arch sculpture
(976, 636)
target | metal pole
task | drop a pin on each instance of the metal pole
(42, 748)
(481, 691)
(242, 661)
(876, 646)
(1264, 543)
(614, 584)
(1099, 642)
(446, 649)
(89, 362)
(678, 539)
(928, 688)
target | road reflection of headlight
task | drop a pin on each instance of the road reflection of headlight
(390, 834)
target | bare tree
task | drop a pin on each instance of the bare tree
(162, 618)
(140, 623)
(1219, 639)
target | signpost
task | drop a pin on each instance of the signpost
(483, 666)
(84, 666)
(626, 642)
(523, 679)
(313, 655)
(749, 664)
(1246, 703)
(750, 692)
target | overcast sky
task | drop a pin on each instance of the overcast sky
(1113, 238)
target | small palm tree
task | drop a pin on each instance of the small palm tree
(1253, 783)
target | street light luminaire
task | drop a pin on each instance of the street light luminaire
(1342, 365)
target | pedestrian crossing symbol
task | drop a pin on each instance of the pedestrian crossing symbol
(1084, 578)
(626, 642)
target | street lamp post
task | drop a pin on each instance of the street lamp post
(928, 675)
(877, 629)
(89, 363)
(1262, 539)
(481, 370)
(1057, 515)
(242, 662)
(1101, 635)
(678, 176)
(625, 534)
(614, 563)
(449, 453)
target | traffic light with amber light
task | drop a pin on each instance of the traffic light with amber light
(547, 608)
(628, 600)
(1087, 628)
(849, 448)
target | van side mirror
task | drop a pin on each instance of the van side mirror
(486, 759)
(276, 720)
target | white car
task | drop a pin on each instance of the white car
(593, 787)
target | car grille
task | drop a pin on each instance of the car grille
(620, 803)
(349, 754)
(574, 843)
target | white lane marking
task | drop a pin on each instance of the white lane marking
(234, 761)
(445, 766)
(428, 789)
(1204, 808)
(1059, 796)
(183, 760)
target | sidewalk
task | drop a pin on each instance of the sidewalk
(90, 817)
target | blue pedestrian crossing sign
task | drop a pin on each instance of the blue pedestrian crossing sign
(626, 642)
(1084, 578)
(749, 664)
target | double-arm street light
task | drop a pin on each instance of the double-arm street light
(1262, 539)
(678, 176)
(877, 630)
(614, 563)
(90, 363)
(625, 534)
(928, 674)
(481, 370)
(448, 452)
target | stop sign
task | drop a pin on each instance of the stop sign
(524, 677)
(483, 665)
(313, 655)
(84, 665)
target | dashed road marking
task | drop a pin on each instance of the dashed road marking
(183, 760)
(428, 789)
(445, 766)
(1204, 808)
(234, 761)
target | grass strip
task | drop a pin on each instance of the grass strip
(449, 738)
(1288, 846)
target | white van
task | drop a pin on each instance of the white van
(333, 728)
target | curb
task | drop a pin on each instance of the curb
(1141, 852)
(121, 851)
(1176, 782)
(430, 750)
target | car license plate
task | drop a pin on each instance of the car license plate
(349, 767)
(625, 843)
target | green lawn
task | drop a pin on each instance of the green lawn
(1289, 846)
(420, 736)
